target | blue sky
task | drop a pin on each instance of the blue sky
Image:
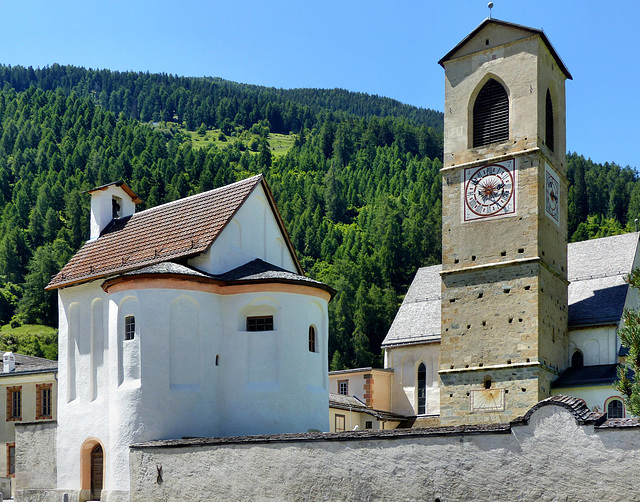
(389, 48)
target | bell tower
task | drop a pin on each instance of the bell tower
(504, 224)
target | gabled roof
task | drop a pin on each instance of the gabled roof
(597, 290)
(121, 184)
(418, 319)
(180, 229)
(529, 31)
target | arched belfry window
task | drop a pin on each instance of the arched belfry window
(491, 115)
(549, 137)
(422, 389)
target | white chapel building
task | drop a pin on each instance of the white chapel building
(190, 319)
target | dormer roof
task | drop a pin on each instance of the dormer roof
(518, 30)
(177, 230)
(122, 185)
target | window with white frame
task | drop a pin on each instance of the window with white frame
(129, 327)
(343, 387)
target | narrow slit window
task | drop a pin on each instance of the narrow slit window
(312, 339)
(422, 389)
(129, 327)
(549, 139)
(260, 323)
(491, 115)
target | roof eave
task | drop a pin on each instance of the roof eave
(533, 31)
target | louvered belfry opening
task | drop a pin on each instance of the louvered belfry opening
(549, 139)
(491, 115)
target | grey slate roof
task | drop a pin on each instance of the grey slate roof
(596, 270)
(343, 402)
(597, 290)
(254, 271)
(31, 364)
(418, 319)
(603, 374)
(167, 267)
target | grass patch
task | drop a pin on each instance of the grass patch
(31, 340)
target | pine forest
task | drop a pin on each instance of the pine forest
(356, 179)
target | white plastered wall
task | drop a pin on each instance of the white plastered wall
(252, 233)
(405, 361)
(102, 209)
(212, 379)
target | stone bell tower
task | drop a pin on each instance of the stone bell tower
(504, 224)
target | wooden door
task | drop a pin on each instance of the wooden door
(96, 472)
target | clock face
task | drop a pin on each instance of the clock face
(552, 194)
(489, 191)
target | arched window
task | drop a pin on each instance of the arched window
(422, 389)
(549, 139)
(577, 360)
(491, 115)
(615, 409)
(312, 339)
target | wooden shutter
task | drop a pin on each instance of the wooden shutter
(491, 115)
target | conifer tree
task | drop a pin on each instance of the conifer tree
(628, 383)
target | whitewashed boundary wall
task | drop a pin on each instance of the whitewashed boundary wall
(554, 455)
(558, 453)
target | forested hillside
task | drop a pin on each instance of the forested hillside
(359, 187)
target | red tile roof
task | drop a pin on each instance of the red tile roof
(179, 229)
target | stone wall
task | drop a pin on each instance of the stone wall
(559, 451)
(36, 473)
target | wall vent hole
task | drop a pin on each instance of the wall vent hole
(510, 320)
(452, 300)
(480, 365)
(508, 361)
(456, 261)
(503, 253)
(466, 365)
(507, 290)
(521, 250)
(468, 326)
(484, 323)
(473, 258)
(528, 360)
(523, 389)
(527, 288)
(480, 295)
(519, 320)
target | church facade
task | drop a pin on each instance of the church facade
(513, 315)
(190, 319)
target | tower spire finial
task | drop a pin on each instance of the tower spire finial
(490, 5)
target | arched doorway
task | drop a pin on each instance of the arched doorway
(97, 461)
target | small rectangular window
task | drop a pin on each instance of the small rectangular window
(368, 424)
(339, 423)
(129, 327)
(14, 403)
(343, 387)
(43, 403)
(260, 323)
(11, 459)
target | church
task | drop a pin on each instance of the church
(189, 319)
(514, 314)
